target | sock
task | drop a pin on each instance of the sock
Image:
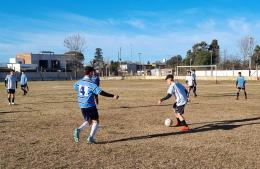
(245, 95)
(83, 126)
(178, 121)
(93, 129)
(13, 100)
(237, 94)
(9, 99)
(184, 123)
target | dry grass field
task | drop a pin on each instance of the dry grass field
(225, 133)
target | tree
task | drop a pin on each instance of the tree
(246, 45)
(174, 61)
(98, 61)
(214, 48)
(114, 65)
(75, 43)
(256, 56)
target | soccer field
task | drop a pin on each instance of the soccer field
(225, 133)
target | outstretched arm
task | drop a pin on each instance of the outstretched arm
(105, 94)
(165, 98)
(5, 83)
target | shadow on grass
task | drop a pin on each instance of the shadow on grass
(133, 107)
(16, 111)
(217, 125)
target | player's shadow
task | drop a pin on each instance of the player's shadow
(16, 111)
(220, 95)
(142, 106)
(217, 125)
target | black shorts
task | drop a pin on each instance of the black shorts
(90, 113)
(178, 109)
(11, 91)
(23, 86)
(243, 88)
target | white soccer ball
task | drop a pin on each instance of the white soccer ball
(168, 122)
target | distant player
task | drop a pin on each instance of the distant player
(11, 85)
(241, 84)
(194, 78)
(95, 78)
(180, 93)
(86, 90)
(23, 83)
(190, 83)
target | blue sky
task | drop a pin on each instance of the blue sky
(156, 28)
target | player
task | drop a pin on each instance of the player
(86, 90)
(23, 83)
(181, 96)
(193, 74)
(190, 83)
(11, 85)
(241, 84)
(95, 78)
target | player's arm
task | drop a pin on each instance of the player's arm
(164, 98)
(236, 82)
(101, 92)
(16, 83)
(5, 82)
(76, 87)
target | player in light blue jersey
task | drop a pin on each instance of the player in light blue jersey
(181, 95)
(86, 90)
(95, 79)
(241, 84)
(24, 85)
(11, 85)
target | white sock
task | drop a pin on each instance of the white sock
(93, 129)
(83, 126)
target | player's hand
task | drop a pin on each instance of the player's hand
(116, 97)
(159, 102)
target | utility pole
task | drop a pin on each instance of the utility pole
(139, 54)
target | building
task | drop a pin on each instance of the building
(45, 60)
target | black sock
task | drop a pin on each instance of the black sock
(184, 123)
(237, 94)
(13, 100)
(245, 95)
(178, 120)
(9, 99)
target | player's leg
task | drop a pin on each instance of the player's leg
(238, 91)
(9, 97)
(13, 96)
(179, 114)
(194, 90)
(84, 125)
(95, 125)
(245, 93)
(178, 123)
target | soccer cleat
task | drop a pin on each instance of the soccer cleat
(12, 103)
(9, 103)
(91, 140)
(76, 135)
(184, 128)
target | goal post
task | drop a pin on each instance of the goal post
(203, 70)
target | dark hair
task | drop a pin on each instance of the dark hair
(193, 70)
(88, 70)
(239, 73)
(169, 77)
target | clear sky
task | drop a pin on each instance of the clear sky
(155, 28)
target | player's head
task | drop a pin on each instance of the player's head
(12, 72)
(193, 70)
(169, 79)
(188, 72)
(89, 71)
(22, 72)
(239, 73)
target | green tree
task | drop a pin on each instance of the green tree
(114, 65)
(214, 48)
(98, 61)
(174, 61)
(256, 56)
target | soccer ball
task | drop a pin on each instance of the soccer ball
(168, 122)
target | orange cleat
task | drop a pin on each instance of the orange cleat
(184, 128)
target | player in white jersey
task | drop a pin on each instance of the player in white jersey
(190, 83)
(181, 96)
(11, 85)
